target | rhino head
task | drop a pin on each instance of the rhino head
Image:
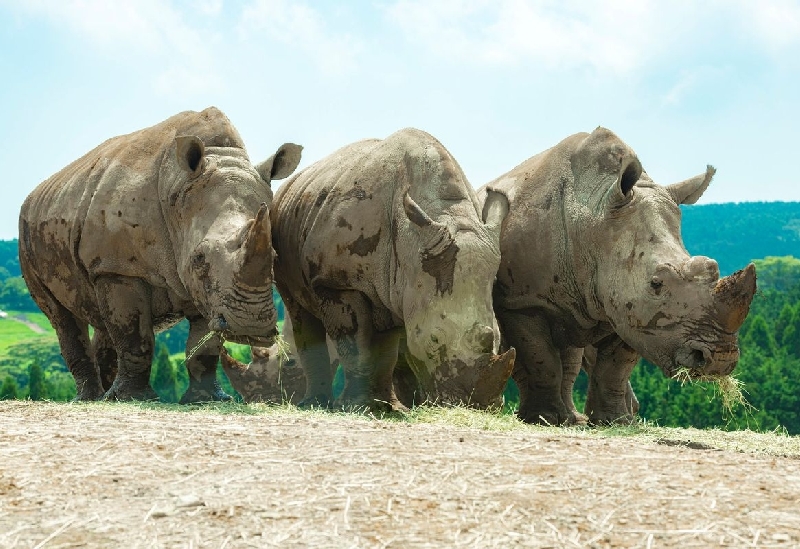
(672, 308)
(451, 331)
(224, 239)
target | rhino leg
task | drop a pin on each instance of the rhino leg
(537, 370)
(312, 353)
(571, 359)
(608, 398)
(406, 386)
(367, 357)
(125, 305)
(202, 366)
(105, 356)
(73, 338)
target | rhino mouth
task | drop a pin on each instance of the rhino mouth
(700, 360)
(220, 325)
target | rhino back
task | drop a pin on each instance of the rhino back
(103, 213)
(340, 222)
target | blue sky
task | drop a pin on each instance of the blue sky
(684, 83)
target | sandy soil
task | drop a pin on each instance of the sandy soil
(124, 476)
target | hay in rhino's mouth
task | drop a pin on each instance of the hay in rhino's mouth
(729, 389)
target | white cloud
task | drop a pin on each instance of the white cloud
(150, 34)
(774, 23)
(613, 35)
(300, 26)
(617, 36)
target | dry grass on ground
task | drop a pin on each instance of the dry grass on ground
(143, 475)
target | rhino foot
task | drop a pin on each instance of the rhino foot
(547, 417)
(578, 419)
(121, 390)
(611, 418)
(195, 395)
(318, 401)
(89, 392)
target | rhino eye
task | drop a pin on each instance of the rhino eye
(656, 283)
(198, 259)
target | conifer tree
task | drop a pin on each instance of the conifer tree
(162, 375)
(760, 335)
(36, 383)
(9, 389)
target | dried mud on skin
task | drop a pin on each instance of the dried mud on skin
(121, 476)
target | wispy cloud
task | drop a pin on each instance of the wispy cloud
(618, 36)
(775, 24)
(300, 26)
(152, 34)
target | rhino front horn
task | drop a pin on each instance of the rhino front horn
(493, 377)
(733, 295)
(257, 250)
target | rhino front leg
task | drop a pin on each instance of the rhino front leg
(571, 359)
(312, 353)
(367, 357)
(610, 398)
(125, 306)
(202, 366)
(537, 371)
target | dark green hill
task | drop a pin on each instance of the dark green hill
(735, 234)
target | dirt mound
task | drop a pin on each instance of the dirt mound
(113, 475)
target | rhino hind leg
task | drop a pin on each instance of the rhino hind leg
(73, 338)
(537, 370)
(125, 305)
(571, 359)
(105, 356)
(312, 354)
(202, 366)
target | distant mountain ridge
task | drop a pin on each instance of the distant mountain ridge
(736, 233)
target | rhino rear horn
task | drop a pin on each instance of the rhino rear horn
(733, 295)
(690, 191)
(435, 236)
(257, 250)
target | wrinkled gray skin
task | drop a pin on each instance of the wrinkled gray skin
(592, 255)
(382, 241)
(276, 378)
(164, 223)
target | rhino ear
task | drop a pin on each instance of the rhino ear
(189, 150)
(281, 164)
(495, 208)
(690, 191)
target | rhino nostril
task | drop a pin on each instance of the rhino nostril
(698, 358)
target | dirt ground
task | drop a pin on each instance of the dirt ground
(127, 476)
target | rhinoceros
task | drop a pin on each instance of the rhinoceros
(592, 255)
(168, 222)
(384, 241)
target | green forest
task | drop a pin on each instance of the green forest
(733, 234)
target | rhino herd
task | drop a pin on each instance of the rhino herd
(389, 263)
